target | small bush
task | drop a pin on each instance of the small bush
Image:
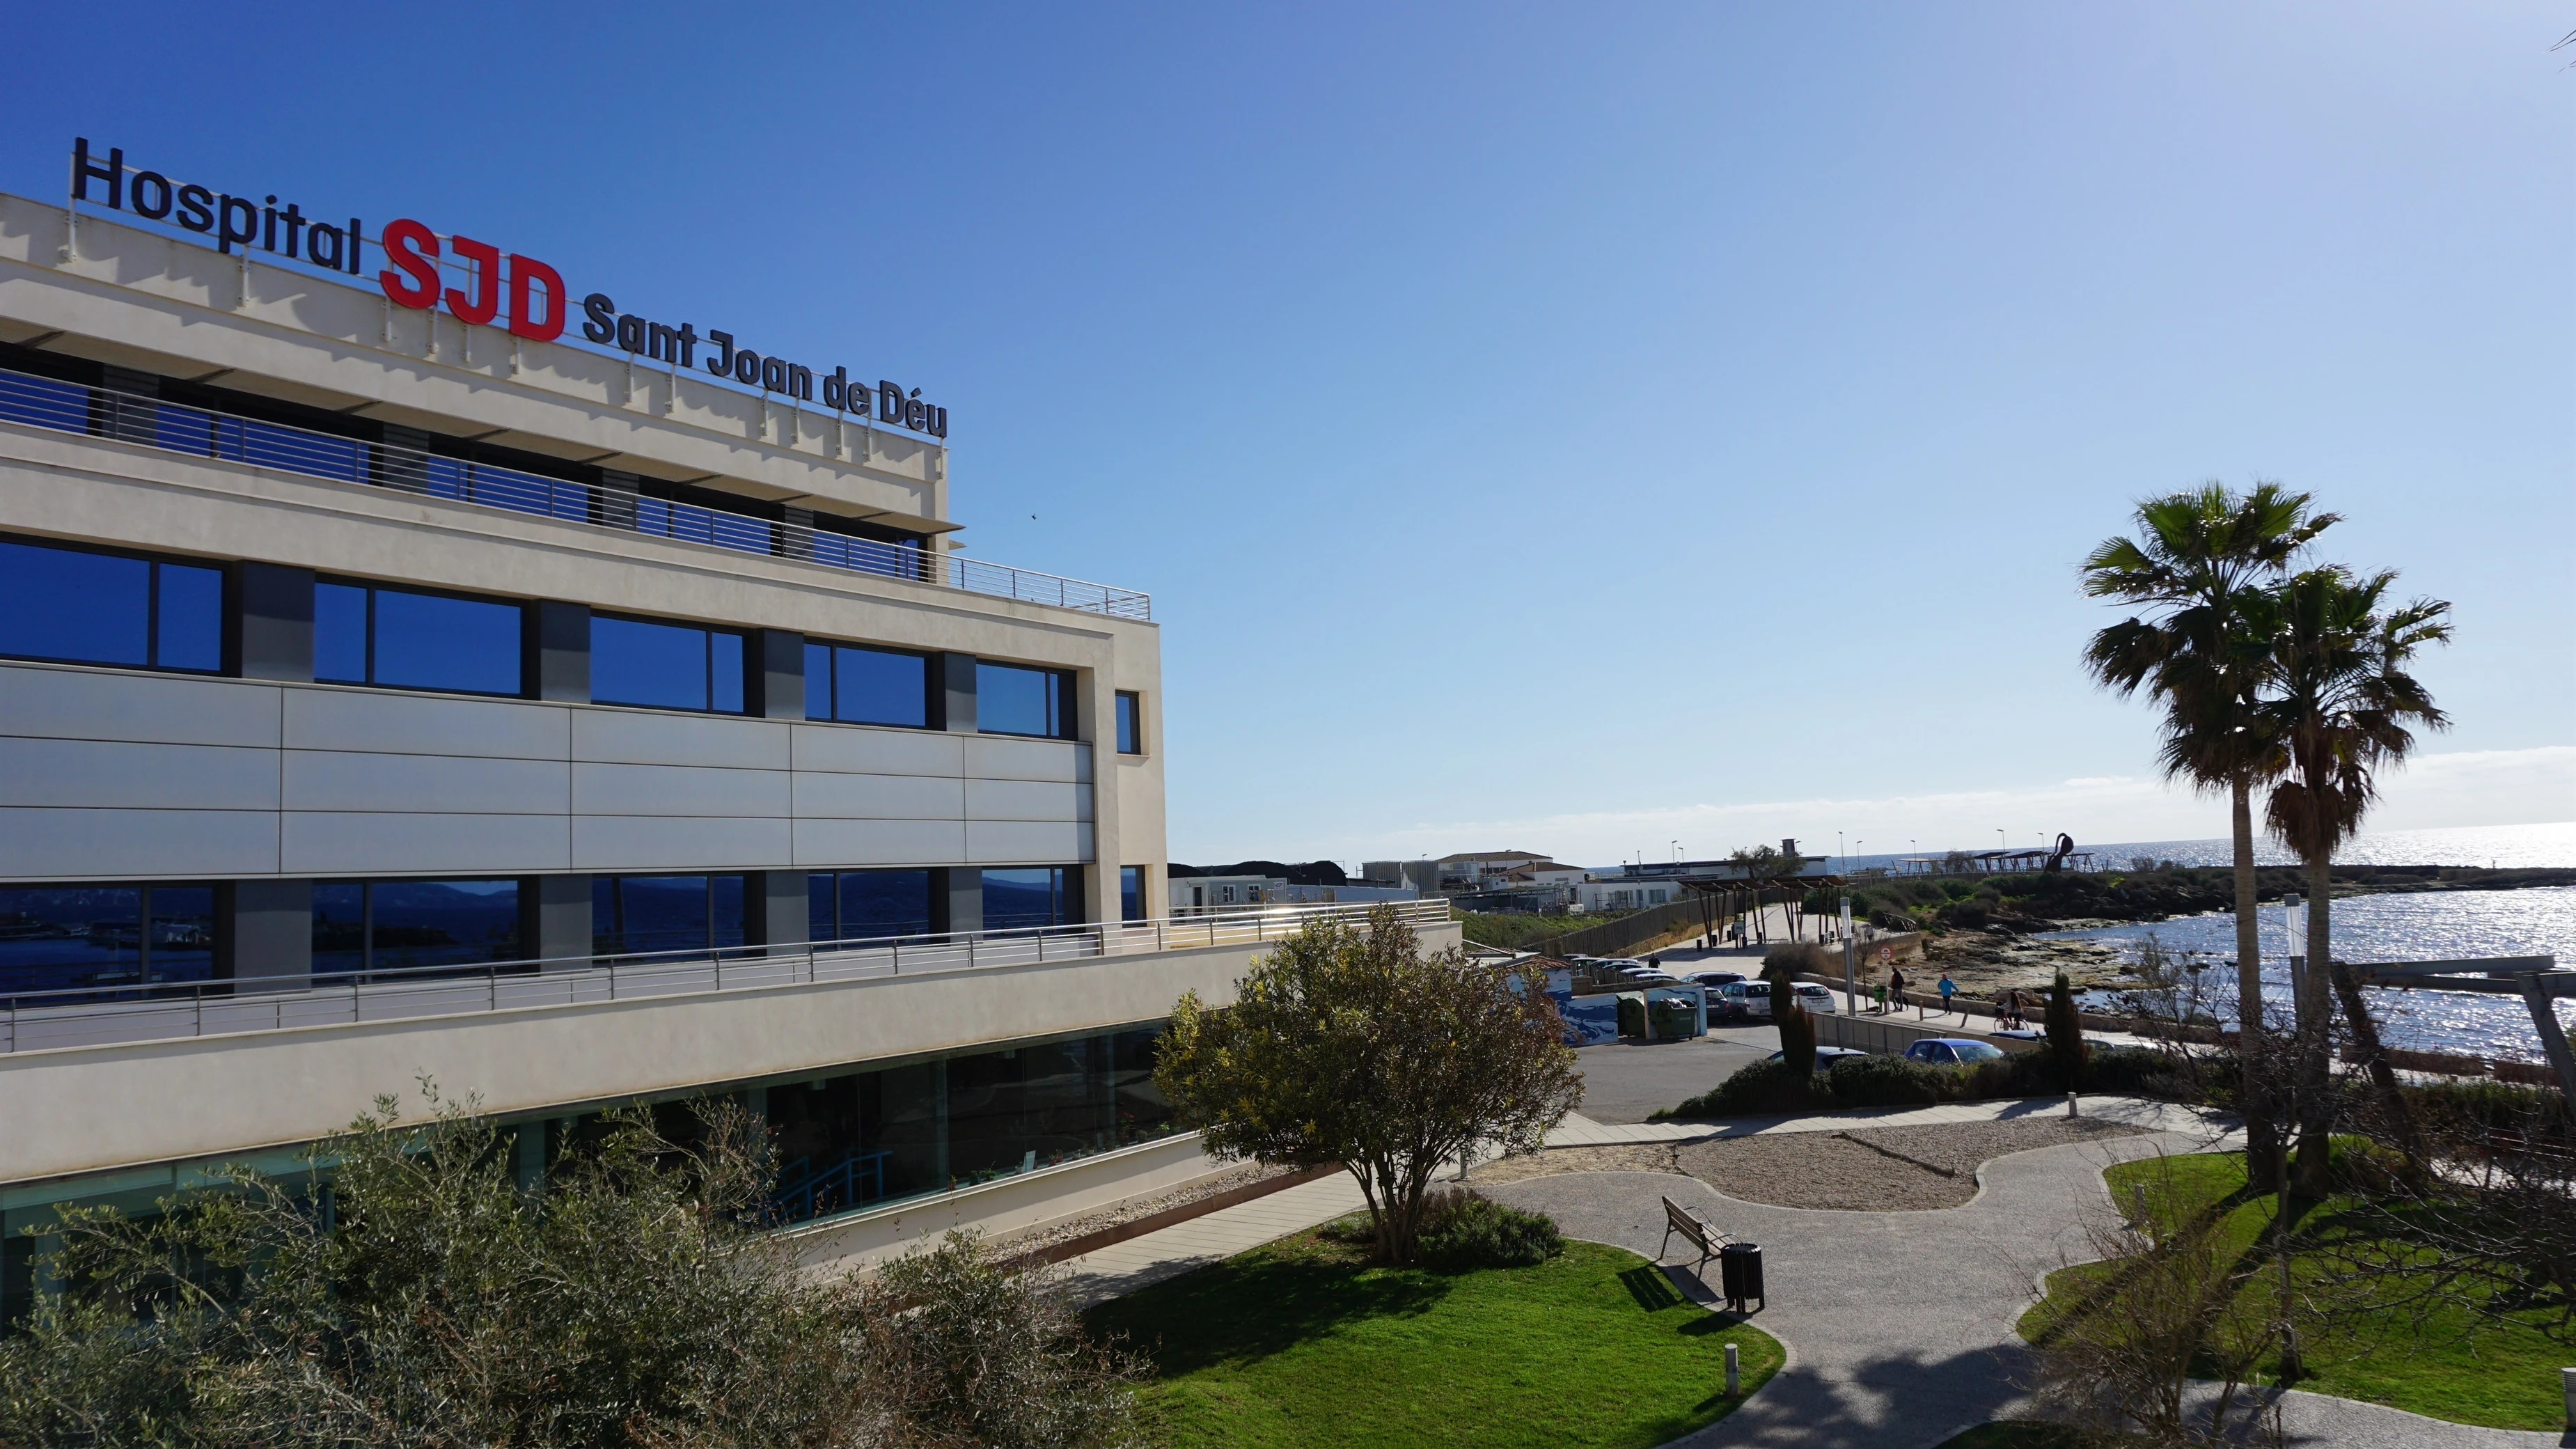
(2065, 1031)
(1463, 1230)
(1890, 1082)
(1763, 1086)
(2139, 1072)
(1785, 961)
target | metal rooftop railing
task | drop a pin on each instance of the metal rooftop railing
(108, 1015)
(71, 407)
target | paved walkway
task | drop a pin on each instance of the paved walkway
(1900, 1325)
(1578, 1130)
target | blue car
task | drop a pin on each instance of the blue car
(1950, 1051)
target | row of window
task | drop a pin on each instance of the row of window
(89, 606)
(55, 938)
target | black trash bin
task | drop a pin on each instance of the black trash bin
(1739, 1274)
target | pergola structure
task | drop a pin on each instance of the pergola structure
(1716, 889)
(2536, 979)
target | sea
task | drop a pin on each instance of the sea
(2434, 926)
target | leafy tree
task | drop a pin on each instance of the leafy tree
(405, 1290)
(1349, 1045)
(2199, 567)
(2342, 712)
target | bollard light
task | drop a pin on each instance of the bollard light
(1732, 1381)
(2070, 1103)
(2566, 1384)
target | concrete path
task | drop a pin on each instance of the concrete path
(1578, 1130)
(1900, 1325)
(1140, 1262)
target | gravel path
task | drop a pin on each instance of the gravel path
(1899, 1169)
(1900, 1324)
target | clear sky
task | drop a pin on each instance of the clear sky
(1561, 428)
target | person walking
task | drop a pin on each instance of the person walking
(1948, 987)
(1896, 986)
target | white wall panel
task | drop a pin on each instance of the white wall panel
(93, 773)
(1020, 842)
(878, 797)
(685, 844)
(637, 737)
(829, 844)
(86, 704)
(48, 844)
(426, 724)
(1026, 800)
(862, 750)
(678, 790)
(384, 843)
(426, 784)
(999, 757)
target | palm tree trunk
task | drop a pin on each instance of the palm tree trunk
(2262, 1124)
(2316, 1040)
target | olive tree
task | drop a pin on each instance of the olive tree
(1349, 1044)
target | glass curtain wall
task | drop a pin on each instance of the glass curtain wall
(854, 1140)
(855, 905)
(391, 925)
(1028, 896)
(638, 913)
(61, 938)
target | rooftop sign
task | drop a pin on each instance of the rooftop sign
(519, 292)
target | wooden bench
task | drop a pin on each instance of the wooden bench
(1695, 1230)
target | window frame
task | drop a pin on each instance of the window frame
(740, 635)
(930, 712)
(153, 562)
(1128, 712)
(1061, 695)
(372, 587)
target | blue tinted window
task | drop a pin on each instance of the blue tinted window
(634, 913)
(60, 603)
(429, 641)
(1131, 892)
(876, 686)
(56, 938)
(191, 625)
(724, 663)
(668, 666)
(1013, 700)
(442, 922)
(633, 662)
(1024, 897)
(818, 681)
(1131, 728)
(44, 402)
(340, 633)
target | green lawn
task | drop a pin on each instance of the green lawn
(2452, 1365)
(1301, 1343)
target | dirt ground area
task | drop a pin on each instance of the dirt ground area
(1241, 1175)
(1862, 1169)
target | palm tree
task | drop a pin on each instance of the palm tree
(2201, 566)
(2343, 710)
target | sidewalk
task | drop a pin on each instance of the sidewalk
(1139, 1262)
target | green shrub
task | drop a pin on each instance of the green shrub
(2139, 1072)
(2484, 1105)
(1463, 1230)
(1760, 1087)
(1891, 1082)
(2065, 1031)
(1797, 1035)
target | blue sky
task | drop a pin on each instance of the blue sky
(1569, 428)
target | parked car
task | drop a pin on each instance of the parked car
(1747, 1000)
(1946, 1051)
(1815, 998)
(1827, 1056)
(1714, 978)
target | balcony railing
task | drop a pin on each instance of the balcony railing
(110, 1015)
(71, 407)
